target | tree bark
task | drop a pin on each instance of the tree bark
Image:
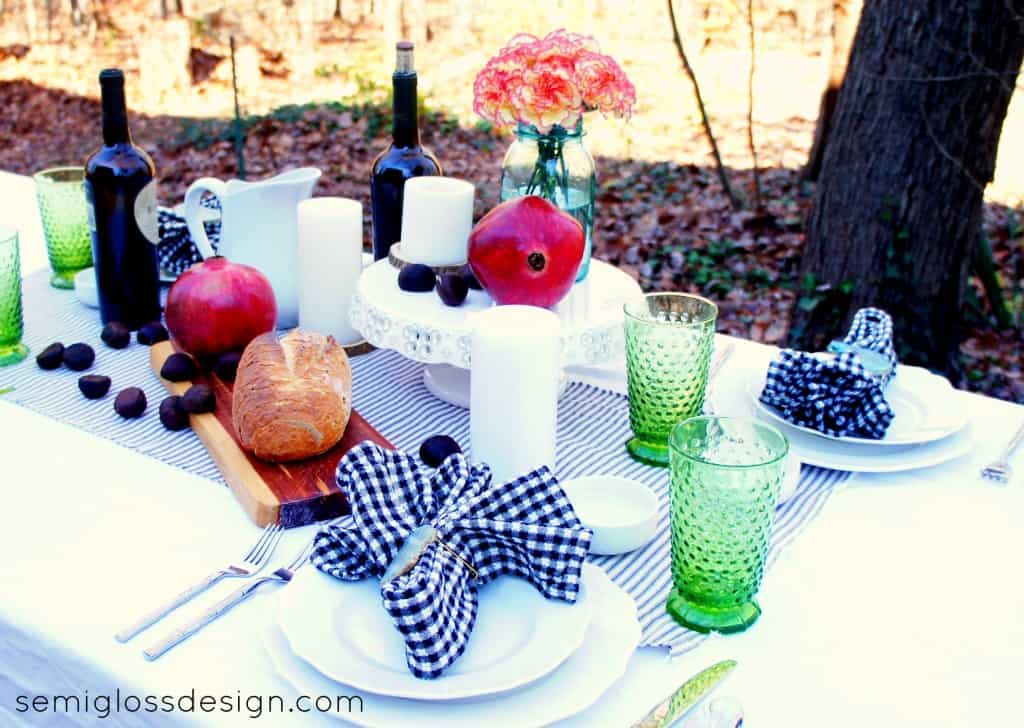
(897, 213)
(844, 24)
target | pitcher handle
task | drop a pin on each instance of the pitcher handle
(193, 210)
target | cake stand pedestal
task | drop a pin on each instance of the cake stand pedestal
(421, 327)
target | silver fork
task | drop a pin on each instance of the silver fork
(999, 470)
(281, 575)
(253, 561)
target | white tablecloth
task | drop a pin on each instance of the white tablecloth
(900, 606)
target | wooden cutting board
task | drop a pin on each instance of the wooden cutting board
(292, 494)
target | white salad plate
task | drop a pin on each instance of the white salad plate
(733, 398)
(575, 685)
(920, 403)
(341, 629)
(859, 459)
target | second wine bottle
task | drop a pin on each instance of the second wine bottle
(121, 197)
(403, 159)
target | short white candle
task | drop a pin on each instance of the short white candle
(330, 240)
(514, 382)
(437, 217)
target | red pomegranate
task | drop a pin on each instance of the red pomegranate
(526, 251)
(217, 306)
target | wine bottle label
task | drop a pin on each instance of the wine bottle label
(146, 212)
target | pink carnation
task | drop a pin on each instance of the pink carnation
(604, 85)
(570, 45)
(492, 95)
(551, 80)
(518, 40)
(548, 96)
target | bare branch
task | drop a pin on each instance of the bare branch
(722, 176)
(750, 106)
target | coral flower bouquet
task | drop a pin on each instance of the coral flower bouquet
(542, 87)
(551, 81)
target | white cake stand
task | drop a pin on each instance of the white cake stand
(422, 328)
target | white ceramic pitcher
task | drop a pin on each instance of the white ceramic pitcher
(258, 227)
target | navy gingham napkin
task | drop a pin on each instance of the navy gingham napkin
(525, 527)
(838, 395)
(176, 252)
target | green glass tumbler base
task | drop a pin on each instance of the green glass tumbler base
(65, 280)
(648, 452)
(706, 619)
(12, 354)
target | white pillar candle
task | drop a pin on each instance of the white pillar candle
(514, 382)
(330, 240)
(437, 216)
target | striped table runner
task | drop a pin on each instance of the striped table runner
(388, 390)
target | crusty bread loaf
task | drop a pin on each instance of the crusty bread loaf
(292, 397)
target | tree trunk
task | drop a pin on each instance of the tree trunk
(844, 24)
(897, 212)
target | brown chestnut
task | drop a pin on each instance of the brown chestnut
(130, 403)
(198, 400)
(179, 368)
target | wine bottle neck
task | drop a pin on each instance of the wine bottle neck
(405, 123)
(115, 112)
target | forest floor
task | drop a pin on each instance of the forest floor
(661, 214)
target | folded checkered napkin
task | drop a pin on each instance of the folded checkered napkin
(525, 527)
(176, 251)
(837, 396)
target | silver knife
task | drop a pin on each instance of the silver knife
(686, 696)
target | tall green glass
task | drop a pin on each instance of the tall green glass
(726, 475)
(11, 328)
(61, 197)
(669, 337)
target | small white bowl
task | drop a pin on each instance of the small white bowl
(622, 513)
(85, 288)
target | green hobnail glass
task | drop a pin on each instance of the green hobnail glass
(62, 207)
(669, 337)
(726, 476)
(11, 328)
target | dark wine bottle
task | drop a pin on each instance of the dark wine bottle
(121, 196)
(403, 159)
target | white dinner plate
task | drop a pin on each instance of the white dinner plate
(732, 398)
(341, 629)
(611, 639)
(920, 403)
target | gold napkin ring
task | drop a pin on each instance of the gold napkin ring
(457, 555)
(415, 544)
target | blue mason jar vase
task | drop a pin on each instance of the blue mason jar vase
(557, 167)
